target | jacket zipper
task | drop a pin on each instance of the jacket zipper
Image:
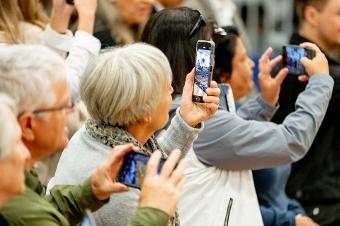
(226, 219)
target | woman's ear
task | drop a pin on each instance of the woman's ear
(146, 119)
(25, 122)
(224, 77)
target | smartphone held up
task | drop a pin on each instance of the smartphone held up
(292, 56)
(203, 68)
(133, 169)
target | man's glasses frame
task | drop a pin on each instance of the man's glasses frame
(67, 107)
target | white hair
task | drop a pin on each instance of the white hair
(7, 127)
(27, 73)
(124, 84)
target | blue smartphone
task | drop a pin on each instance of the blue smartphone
(291, 58)
(133, 169)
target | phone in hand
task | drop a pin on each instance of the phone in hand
(203, 68)
(71, 2)
(291, 58)
(133, 169)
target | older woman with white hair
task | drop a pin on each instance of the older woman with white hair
(127, 92)
(13, 153)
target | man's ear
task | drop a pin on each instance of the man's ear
(311, 15)
(25, 122)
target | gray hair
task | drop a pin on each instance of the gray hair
(27, 73)
(123, 85)
(7, 127)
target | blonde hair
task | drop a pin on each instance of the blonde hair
(124, 84)
(10, 16)
(12, 13)
(33, 12)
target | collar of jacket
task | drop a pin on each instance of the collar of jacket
(32, 181)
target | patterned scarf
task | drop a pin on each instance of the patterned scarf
(112, 136)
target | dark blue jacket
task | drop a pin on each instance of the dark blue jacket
(277, 208)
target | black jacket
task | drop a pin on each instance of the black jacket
(315, 180)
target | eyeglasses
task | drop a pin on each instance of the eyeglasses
(197, 25)
(66, 107)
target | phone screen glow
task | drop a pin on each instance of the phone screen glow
(294, 55)
(202, 72)
(133, 169)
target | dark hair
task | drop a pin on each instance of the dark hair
(224, 52)
(169, 30)
(300, 6)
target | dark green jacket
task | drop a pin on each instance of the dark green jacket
(150, 217)
(63, 207)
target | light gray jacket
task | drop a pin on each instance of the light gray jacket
(83, 155)
(239, 142)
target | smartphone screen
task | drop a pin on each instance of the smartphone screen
(292, 56)
(132, 172)
(203, 67)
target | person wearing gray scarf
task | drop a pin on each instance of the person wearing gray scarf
(128, 93)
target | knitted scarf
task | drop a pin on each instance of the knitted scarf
(112, 136)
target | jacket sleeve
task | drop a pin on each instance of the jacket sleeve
(81, 48)
(233, 143)
(271, 217)
(150, 217)
(59, 43)
(296, 207)
(72, 200)
(257, 109)
(179, 135)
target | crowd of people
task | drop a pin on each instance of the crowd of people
(83, 85)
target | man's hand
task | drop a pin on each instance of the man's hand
(103, 181)
(270, 87)
(162, 191)
(317, 65)
(194, 113)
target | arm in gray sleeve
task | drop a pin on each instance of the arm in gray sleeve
(230, 142)
(257, 109)
(179, 135)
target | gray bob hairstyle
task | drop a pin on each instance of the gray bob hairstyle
(122, 85)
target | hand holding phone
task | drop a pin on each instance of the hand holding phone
(133, 169)
(292, 56)
(161, 190)
(203, 69)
